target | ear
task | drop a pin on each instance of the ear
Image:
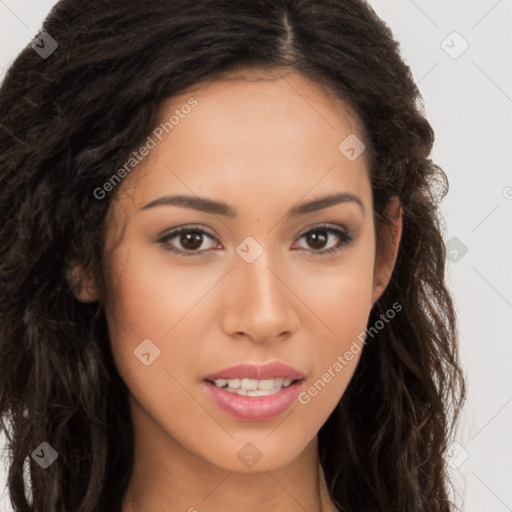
(386, 257)
(82, 283)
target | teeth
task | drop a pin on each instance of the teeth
(265, 385)
(260, 392)
(253, 387)
(234, 383)
(248, 384)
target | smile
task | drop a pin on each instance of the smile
(253, 387)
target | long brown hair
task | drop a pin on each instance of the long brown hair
(68, 120)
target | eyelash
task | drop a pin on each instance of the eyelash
(344, 237)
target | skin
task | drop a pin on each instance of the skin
(261, 142)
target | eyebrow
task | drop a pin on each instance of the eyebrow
(207, 205)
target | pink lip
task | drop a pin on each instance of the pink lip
(273, 370)
(254, 408)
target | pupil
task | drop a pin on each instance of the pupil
(187, 240)
(313, 239)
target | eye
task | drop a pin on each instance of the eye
(319, 236)
(191, 239)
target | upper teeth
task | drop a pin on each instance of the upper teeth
(253, 384)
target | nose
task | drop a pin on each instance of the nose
(259, 303)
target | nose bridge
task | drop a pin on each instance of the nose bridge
(257, 268)
(260, 303)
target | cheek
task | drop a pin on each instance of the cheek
(336, 353)
(169, 305)
(153, 313)
(341, 298)
(151, 296)
(340, 293)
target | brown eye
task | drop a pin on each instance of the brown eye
(317, 239)
(191, 240)
(188, 240)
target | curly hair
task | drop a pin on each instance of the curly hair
(67, 120)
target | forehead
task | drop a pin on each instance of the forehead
(261, 132)
(267, 97)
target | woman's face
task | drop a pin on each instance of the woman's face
(275, 281)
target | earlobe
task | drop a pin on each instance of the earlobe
(83, 285)
(387, 253)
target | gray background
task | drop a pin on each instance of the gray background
(468, 101)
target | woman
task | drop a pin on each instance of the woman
(222, 263)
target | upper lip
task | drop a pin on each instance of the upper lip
(272, 370)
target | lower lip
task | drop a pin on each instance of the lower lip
(254, 408)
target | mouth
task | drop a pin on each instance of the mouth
(254, 387)
(255, 392)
